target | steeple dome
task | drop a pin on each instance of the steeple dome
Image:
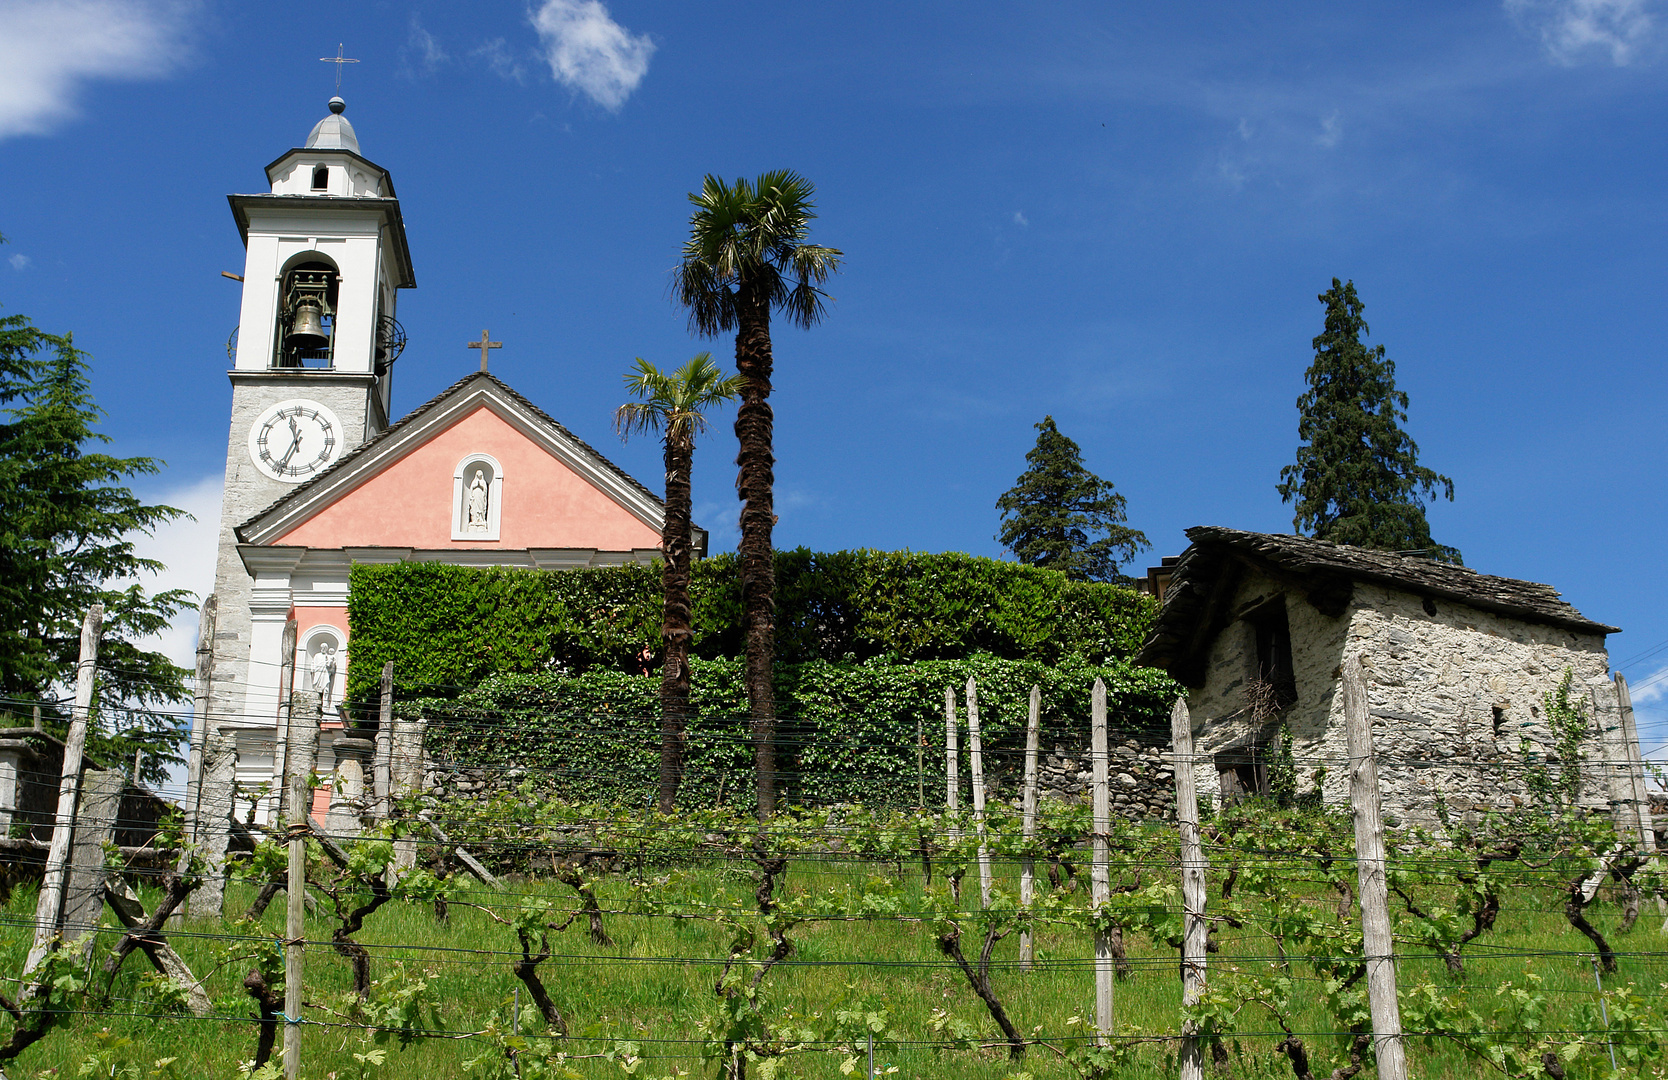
(334, 132)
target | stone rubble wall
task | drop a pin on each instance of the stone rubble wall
(1434, 682)
(1218, 709)
(1142, 779)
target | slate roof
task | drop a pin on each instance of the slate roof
(347, 460)
(1202, 585)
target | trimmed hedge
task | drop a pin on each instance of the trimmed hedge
(447, 628)
(847, 732)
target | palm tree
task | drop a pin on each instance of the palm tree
(672, 404)
(747, 253)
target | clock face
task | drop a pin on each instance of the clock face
(295, 440)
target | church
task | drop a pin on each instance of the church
(320, 477)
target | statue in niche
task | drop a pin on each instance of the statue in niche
(475, 504)
(323, 673)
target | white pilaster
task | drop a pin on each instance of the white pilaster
(270, 601)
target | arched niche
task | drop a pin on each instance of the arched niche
(477, 498)
(321, 665)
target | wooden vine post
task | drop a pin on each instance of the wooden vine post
(1100, 876)
(382, 765)
(1618, 763)
(286, 710)
(952, 779)
(952, 794)
(1638, 791)
(976, 762)
(199, 716)
(1028, 865)
(303, 740)
(49, 903)
(920, 764)
(1193, 866)
(1377, 947)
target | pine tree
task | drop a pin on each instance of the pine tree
(66, 542)
(1057, 505)
(1358, 479)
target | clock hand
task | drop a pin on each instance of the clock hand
(295, 444)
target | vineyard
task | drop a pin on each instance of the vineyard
(626, 943)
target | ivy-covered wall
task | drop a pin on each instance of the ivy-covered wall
(448, 628)
(847, 732)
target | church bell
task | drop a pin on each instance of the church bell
(307, 324)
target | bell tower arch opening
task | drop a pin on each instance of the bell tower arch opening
(308, 297)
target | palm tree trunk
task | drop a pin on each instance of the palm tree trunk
(754, 483)
(675, 615)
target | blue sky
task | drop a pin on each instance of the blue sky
(1117, 215)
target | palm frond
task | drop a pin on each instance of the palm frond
(752, 235)
(674, 401)
(636, 418)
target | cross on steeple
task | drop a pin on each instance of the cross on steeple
(338, 60)
(483, 345)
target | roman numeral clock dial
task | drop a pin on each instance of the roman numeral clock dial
(295, 440)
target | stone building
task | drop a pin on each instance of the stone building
(1458, 665)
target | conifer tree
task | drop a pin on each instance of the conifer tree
(1358, 479)
(67, 524)
(1062, 516)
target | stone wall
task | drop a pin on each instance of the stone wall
(1221, 720)
(1454, 696)
(1142, 780)
(1452, 691)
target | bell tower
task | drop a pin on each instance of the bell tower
(326, 256)
(315, 348)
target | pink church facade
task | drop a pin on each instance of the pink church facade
(477, 477)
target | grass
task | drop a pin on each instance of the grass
(655, 983)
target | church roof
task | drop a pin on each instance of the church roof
(1196, 598)
(273, 517)
(334, 132)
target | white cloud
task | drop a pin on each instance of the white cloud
(20, 262)
(423, 46)
(1573, 29)
(1020, 219)
(497, 55)
(187, 549)
(1331, 130)
(1244, 129)
(590, 52)
(50, 48)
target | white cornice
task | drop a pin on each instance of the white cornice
(264, 561)
(378, 457)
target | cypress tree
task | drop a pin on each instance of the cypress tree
(1051, 514)
(1357, 479)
